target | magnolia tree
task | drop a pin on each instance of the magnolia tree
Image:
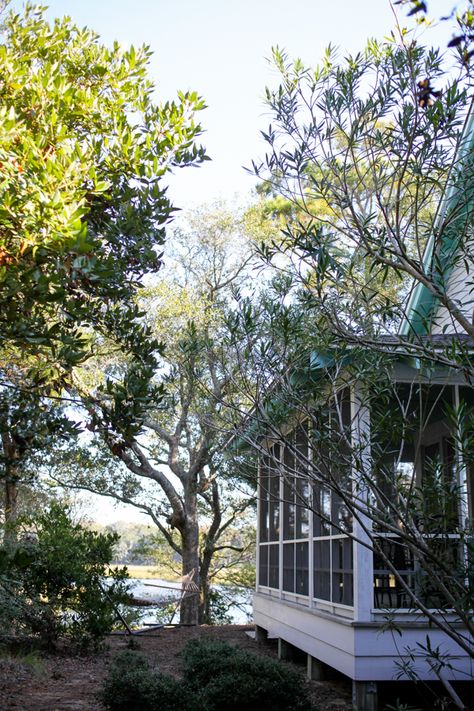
(84, 149)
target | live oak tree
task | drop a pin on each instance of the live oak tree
(171, 453)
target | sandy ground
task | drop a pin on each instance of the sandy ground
(64, 682)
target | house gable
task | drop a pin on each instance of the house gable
(446, 265)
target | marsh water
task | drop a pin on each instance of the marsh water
(156, 589)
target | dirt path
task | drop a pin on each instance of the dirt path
(66, 683)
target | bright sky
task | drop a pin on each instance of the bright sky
(219, 49)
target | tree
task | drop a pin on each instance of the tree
(172, 450)
(366, 171)
(364, 149)
(461, 18)
(28, 424)
(51, 583)
(83, 152)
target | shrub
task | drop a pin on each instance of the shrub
(53, 584)
(132, 686)
(204, 659)
(218, 677)
(231, 679)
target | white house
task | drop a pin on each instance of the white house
(324, 590)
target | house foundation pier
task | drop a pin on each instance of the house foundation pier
(364, 696)
(261, 634)
(286, 651)
(315, 670)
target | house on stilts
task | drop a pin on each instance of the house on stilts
(366, 500)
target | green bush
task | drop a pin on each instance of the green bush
(132, 686)
(204, 659)
(53, 584)
(217, 677)
(230, 679)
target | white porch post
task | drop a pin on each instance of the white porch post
(259, 532)
(363, 556)
(281, 509)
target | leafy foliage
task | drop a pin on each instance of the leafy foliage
(178, 474)
(52, 582)
(460, 17)
(217, 677)
(364, 171)
(83, 149)
(132, 686)
(232, 679)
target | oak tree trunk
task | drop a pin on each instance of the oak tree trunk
(204, 603)
(189, 613)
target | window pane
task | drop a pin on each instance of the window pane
(337, 587)
(289, 510)
(348, 589)
(342, 571)
(273, 578)
(274, 506)
(322, 583)
(263, 566)
(264, 495)
(302, 568)
(302, 512)
(466, 397)
(388, 592)
(321, 504)
(264, 520)
(289, 567)
(440, 490)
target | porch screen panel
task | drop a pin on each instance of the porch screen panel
(289, 504)
(342, 566)
(274, 494)
(466, 398)
(296, 500)
(289, 567)
(302, 568)
(322, 569)
(263, 566)
(264, 492)
(418, 464)
(332, 548)
(273, 566)
(269, 492)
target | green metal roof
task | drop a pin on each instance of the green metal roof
(455, 209)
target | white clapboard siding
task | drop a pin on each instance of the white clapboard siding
(461, 292)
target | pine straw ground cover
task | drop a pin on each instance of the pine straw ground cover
(64, 682)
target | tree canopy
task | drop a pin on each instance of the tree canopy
(84, 149)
